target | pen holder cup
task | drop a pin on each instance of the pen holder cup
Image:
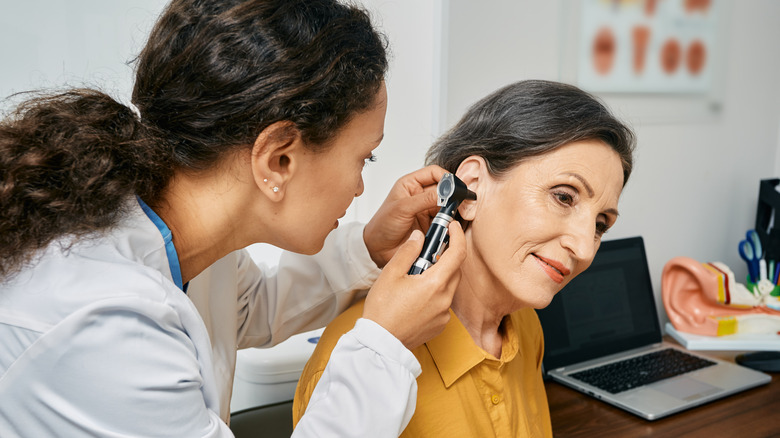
(754, 288)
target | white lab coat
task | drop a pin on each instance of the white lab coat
(97, 340)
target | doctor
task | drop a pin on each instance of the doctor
(124, 288)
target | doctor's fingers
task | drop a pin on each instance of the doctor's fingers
(419, 206)
(448, 265)
(415, 182)
(413, 308)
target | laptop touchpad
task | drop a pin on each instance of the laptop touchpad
(685, 388)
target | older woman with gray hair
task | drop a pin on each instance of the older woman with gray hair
(548, 163)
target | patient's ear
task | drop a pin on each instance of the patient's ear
(471, 171)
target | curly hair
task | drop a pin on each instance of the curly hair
(530, 118)
(218, 72)
(212, 75)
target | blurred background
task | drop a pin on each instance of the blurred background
(696, 79)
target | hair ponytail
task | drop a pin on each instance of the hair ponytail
(68, 163)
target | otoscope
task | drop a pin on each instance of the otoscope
(451, 191)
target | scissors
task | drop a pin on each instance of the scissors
(750, 250)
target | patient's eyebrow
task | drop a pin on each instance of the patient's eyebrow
(584, 183)
(589, 189)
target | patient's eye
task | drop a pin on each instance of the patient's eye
(601, 228)
(564, 196)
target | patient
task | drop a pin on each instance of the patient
(548, 163)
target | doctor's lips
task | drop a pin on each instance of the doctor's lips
(554, 269)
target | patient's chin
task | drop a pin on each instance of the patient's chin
(542, 301)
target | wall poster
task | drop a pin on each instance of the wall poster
(647, 46)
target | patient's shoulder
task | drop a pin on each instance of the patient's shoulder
(348, 317)
(327, 342)
(319, 359)
(343, 323)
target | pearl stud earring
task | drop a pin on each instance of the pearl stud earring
(274, 188)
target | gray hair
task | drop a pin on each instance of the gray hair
(527, 119)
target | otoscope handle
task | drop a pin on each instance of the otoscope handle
(435, 239)
(416, 270)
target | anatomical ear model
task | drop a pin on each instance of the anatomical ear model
(705, 299)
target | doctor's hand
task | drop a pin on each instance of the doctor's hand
(415, 308)
(410, 206)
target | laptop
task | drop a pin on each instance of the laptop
(606, 316)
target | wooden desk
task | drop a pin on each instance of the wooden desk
(752, 413)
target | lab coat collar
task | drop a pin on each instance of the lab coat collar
(137, 238)
(170, 249)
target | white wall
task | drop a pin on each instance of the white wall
(54, 43)
(414, 30)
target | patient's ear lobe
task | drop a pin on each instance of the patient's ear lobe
(471, 171)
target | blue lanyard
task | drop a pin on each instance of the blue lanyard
(170, 250)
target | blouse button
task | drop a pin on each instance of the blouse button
(495, 399)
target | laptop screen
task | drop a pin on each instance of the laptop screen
(607, 309)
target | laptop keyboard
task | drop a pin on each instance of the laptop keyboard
(641, 370)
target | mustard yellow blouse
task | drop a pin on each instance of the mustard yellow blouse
(463, 391)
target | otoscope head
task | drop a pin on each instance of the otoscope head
(452, 191)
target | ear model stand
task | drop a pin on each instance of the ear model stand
(451, 191)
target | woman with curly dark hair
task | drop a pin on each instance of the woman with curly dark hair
(124, 287)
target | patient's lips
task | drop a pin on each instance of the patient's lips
(553, 268)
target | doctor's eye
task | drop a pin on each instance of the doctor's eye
(370, 159)
(601, 228)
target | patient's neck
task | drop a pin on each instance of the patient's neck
(478, 307)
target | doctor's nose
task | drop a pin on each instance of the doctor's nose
(360, 188)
